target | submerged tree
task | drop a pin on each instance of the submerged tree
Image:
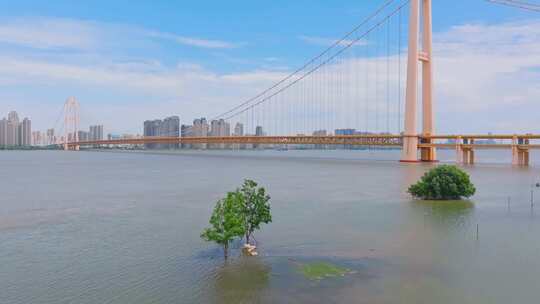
(255, 207)
(443, 183)
(227, 221)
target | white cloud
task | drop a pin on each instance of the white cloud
(486, 79)
(44, 33)
(133, 91)
(485, 67)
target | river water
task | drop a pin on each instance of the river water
(103, 227)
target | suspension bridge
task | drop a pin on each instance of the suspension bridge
(366, 89)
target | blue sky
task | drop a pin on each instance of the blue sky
(54, 49)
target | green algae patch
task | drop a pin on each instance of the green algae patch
(321, 270)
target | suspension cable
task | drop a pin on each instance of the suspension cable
(339, 42)
(324, 62)
(517, 4)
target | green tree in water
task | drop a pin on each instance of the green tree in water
(443, 183)
(255, 208)
(227, 221)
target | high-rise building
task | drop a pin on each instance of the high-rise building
(259, 131)
(13, 116)
(200, 129)
(14, 132)
(3, 132)
(25, 133)
(12, 137)
(37, 138)
(238, 129)
(220, 128)
(51, 139)
(186, 131)
(151, 129)
(91, 132)
(168, 127)
(100, 132)
(96, 132)
(83, 135)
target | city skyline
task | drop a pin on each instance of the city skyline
(15, 132)
(180, 70)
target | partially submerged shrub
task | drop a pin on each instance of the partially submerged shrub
(444, 182)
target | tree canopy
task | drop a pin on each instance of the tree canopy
(255, 207)
(239, 214)
(227, 221)
(444, 182)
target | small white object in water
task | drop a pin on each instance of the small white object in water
(250, 250)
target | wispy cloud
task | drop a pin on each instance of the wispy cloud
(43, 33)
(323, 41)
(195, 42)
(57, 33)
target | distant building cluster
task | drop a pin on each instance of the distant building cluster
(14, 132)
(18, 133)
(216, 128)
(168, 127)
(201, 127)
(94, 133)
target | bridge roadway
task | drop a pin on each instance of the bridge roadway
(464, 144)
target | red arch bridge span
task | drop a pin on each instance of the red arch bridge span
(464, 145)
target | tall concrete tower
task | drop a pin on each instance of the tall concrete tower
(419, 52)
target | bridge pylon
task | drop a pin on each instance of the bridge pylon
(419, 52)
(71, 122)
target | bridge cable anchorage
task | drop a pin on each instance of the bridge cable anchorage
(517, 4)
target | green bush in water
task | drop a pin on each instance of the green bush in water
(444, 182)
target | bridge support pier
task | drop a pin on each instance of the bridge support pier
(428, 154)
(467, 156)
(459, 150)
(409, 153)
(73, 148)
(520, 155)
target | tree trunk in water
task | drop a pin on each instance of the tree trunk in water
(226, 250)
(247, 238)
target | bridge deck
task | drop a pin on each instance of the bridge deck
(353, 140)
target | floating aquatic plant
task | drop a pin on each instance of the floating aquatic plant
(321, 270)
